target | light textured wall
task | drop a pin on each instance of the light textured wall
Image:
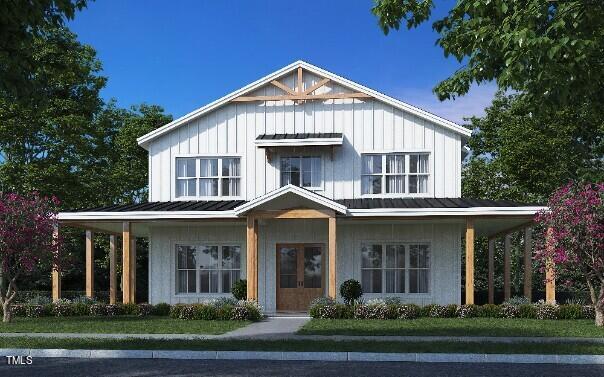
(368, 126)
(445, 240)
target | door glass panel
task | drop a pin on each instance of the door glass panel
(312, 267)
(288, 265)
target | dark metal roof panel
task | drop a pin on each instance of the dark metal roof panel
(294, 136)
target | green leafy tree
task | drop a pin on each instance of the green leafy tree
(21, 24)
(551, 51)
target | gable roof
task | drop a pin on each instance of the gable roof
(144, 140)
(290, 189)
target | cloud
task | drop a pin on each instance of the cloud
(472, 104)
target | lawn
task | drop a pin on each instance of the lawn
(454, 327)
(303, 345)
(119, 325)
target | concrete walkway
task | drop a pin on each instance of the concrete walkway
(269, 328)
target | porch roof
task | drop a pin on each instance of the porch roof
(300, 139)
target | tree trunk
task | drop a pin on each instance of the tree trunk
(599, 307)
(6, 309)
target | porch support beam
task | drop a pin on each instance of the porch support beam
(491, 274)
(294, 214)
(126, 265)
(332, 242)
(252, 258)
(133, 268)
(550, 278)
(89, 263)
(528, 263)
(56, 273)
(469, 261)
(112, 272)
(507, 289)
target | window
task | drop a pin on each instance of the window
(208, 176)
(394, 173)
(395, 268)
(302, 171)
(207, 268)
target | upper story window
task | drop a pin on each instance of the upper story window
(303, 171)
(394, 173)
(208, 177)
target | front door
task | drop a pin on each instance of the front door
(299, 275)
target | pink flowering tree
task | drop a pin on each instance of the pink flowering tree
(27, 240)
(573, 237)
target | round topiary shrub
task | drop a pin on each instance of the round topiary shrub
(161, 309)
(351, 291)
(239, 290)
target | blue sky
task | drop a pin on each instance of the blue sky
(183, 54)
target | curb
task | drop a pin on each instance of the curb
(309, 356)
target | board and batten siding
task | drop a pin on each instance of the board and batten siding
(444, 239)
(367, 125)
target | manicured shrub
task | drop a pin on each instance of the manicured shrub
(527, 311)
(205, 312)
(80, 309)
(161, 309)
(247, 310)
(316, 309)
(60, 309)
(510, 311)
(375, 309)
(225, 312)
(144, 309)
(425, 310)
(114, 309)
(407, 311)
(547, 311)
(176, 310)
(34, 311)
(351, 291)
(17, 310)
(588, 311)
(490, 311)
(239, 290)
(443, 311)
(467, 311)
(571, 311)
(130, 309)
(98, 310)
(343, 311)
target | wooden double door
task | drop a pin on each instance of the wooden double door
(300, 275)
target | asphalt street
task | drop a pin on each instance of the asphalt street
(159, 367)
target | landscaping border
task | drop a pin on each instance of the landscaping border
(309, 356)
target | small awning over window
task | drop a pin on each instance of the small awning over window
(299, 139)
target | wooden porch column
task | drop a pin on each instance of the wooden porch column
(89, 263)
(133, 268)
(56, 274)
(550, 278)
(469, 261)
(507, 289)
(126, 265)
(112, 277)
(252, 258)
(491, 274)
(332, 250)
(528, 263)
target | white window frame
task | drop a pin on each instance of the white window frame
(405, 174)
(198, 269)
(301, 156)
(407, 268)
(198, 158)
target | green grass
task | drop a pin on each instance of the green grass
(119, 325)
(454, 327)
(302, 345)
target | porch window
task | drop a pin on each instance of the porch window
(207, 268)
(208, 177)
(395, 268)
(394, 173)
(303, 171)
